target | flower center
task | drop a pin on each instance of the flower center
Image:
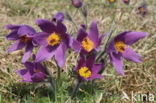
(142, 9)
(85, 72)
(120, 46)
(36, 70)
(112, 1)
(54, 39)
(126, 0)
(25, 39)
(87, 44)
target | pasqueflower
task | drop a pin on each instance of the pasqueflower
(87, 42)
(119, 48)
(87, 69)
(53, 41)
(126, 1)
(34, 72)
(77, 3)
(23, 35)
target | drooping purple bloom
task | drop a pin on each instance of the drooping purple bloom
(77, 3)
(54, 41)
(87, 42)
(87, 69)
(34, 72)
(119, 48)
(126, 1)
(23, 37)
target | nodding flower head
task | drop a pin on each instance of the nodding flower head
(77, 3)
(33, 72)
(126, 1)
(23, 37)
(120, 47)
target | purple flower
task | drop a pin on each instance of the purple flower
(87, 70)
(126, 1)
(54, 41)
(34, 72)
(77, 3)
(142, 10)
(119, 48)
(87, 41)
(23, 35)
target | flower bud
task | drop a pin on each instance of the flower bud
(126, 1)
(77, 3)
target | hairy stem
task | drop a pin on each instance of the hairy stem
(76, 89)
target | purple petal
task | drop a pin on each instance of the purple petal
(13, 36)
(60, 55)
(129, 37)
(29, 66)
(16, 46)
(132, 37)
(61, 28)
(90, 61)
(81, 35)
(44, 54)
(45, 25)
(12, 27)
(131, 55)
(94, 33)
(76, 45)
(66, 39)
(41, 68)
(58, 17)
(117, 62)
(24, 73)
(97, 68)
(41, 38)
(26, 30)
(38, 77)
(28, 52)
(95, 76)
(111, 46)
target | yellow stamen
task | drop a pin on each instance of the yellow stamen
(54, 39)
(25, 39)
(36, 70)
(141, 9)
(112, 1)
(126, 1)
(120, 46)
(87, 44)
(85, 72)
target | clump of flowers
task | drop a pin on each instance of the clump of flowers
(55, 42)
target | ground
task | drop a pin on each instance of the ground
(139, 78)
